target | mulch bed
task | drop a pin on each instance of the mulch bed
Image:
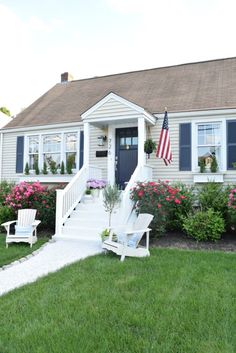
(181, 241)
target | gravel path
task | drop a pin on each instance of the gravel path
(51, 258)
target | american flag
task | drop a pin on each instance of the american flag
(164, 148)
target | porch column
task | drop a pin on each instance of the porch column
(141, 140)
(111, 155)
(86, 143)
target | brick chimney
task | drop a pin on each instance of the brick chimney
(66, 77)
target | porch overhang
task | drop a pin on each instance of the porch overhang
(115, 109)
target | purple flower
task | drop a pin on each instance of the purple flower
(96, 183)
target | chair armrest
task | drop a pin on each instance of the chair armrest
(6, 224)
(137, 231)
(36, 223)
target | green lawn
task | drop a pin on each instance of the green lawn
(16, 251)
(175, 301)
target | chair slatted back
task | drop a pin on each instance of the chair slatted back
(26, 217)
(142, 222)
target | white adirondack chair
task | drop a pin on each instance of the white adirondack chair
(128, 240)
(25, 228)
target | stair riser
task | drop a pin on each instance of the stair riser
(75, 238)
(81, 232)
(80, 222)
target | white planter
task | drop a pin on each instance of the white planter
(87, 198)
(96, 193)
(207, 177)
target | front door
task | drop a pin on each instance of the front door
(126, 154)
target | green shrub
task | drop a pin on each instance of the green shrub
(204, 225)
(6, 214)
(5, 189)
(214, 195)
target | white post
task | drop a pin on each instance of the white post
(111, 155)
(59, 210)
(141, 140)
(86, 143)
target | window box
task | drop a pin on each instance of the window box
(49, 178)
(206, 177)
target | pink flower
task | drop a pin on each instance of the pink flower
(177, 201)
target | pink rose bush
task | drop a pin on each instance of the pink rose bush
(34, 195)
(166, 202)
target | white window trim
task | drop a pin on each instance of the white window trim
(62, 151)
(195, 123)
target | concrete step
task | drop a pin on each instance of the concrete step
(95, 212)
(86, 221)
(90, 206)
(73, 237)
(81, 230)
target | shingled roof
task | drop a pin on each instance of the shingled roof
(196, 86)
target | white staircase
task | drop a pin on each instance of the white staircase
(86, 222)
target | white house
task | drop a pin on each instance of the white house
(103, 123)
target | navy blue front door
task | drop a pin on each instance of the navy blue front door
(126, 154)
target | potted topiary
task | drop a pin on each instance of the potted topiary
(62, 171)
(69, 163)
(36, 166)
(45, 168)
(27, 168)
(202, 165)
(214, 165)
(149, 146)
(111, 199)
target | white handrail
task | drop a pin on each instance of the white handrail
(141, 173)
(68, 198)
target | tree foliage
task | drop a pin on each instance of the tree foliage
(6, 111)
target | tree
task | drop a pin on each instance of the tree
(5, 111)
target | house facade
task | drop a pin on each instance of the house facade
(104, 122)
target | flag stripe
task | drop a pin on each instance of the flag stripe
(164, 146)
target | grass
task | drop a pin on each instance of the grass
(16, 251)
(175, 301)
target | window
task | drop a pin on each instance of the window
(33, 150)
(209, 138)
(52, 148)
(70, 148)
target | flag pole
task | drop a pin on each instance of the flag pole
(165, 109)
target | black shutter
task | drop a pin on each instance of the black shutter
(19, 154)
(81, 150)
(231, 143)
(185, 147)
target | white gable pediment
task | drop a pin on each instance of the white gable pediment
(113, 106)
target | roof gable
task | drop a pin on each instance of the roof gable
(112, 105)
